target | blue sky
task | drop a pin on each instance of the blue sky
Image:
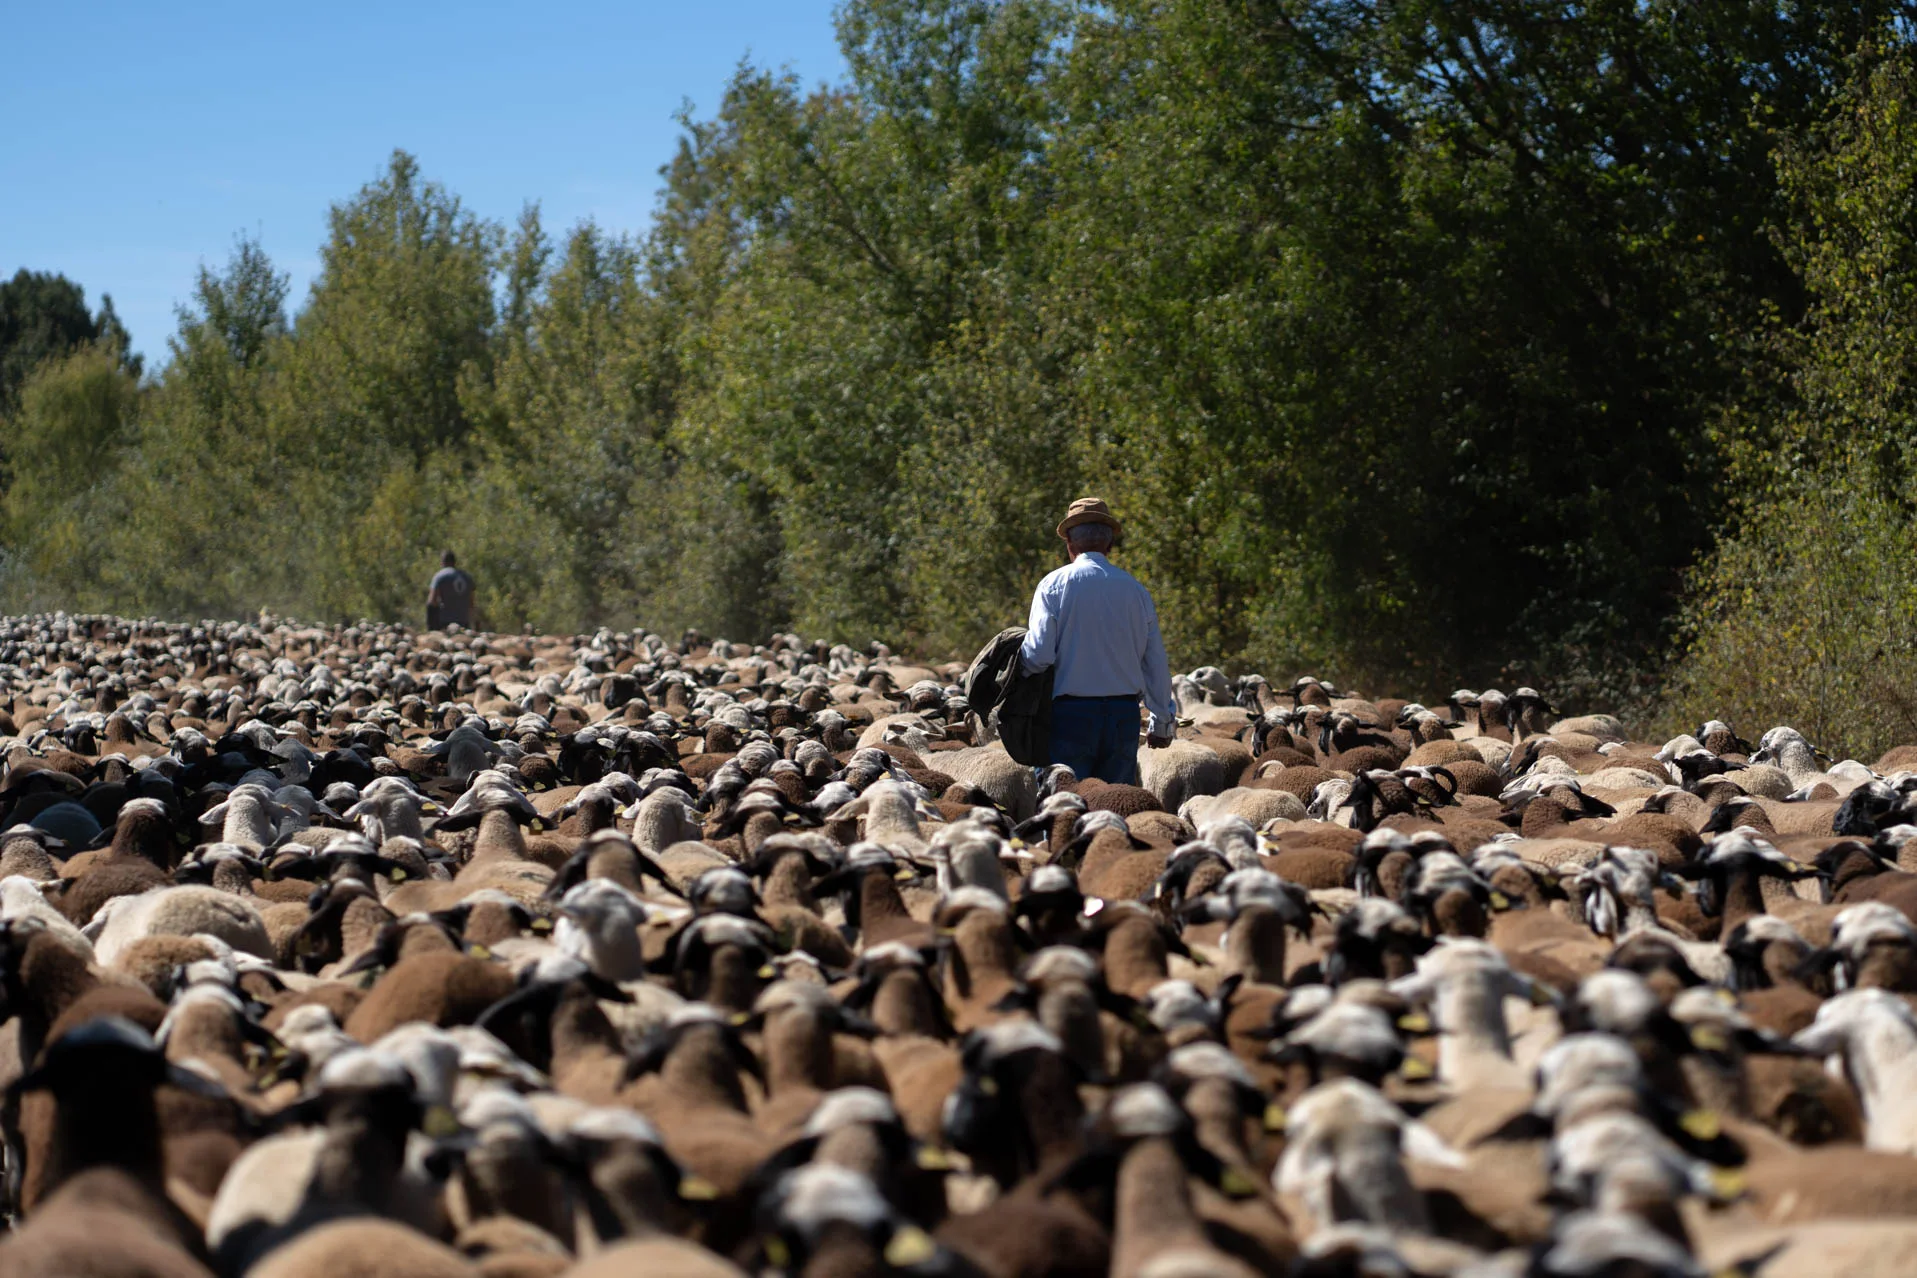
(142, 138)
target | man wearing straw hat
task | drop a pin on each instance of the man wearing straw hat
(1095, 627)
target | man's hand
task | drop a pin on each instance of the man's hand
(1157, 743)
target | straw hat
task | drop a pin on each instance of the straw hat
(1089, 510)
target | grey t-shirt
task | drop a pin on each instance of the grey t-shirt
(455, 587)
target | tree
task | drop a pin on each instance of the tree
(205, 454)
(66, 438)
(43, 316)
(1806, 610)
(369, 394)
(1405, 321)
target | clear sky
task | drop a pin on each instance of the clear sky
(141, 138)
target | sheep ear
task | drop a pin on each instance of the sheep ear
(1819, 962)
(195, 1083)
(1426, 1146)
(301, 1113)
(1817, 1040)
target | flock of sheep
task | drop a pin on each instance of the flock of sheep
(358, 952)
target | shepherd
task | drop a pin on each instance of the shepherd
(449, 597)
(1095, 627)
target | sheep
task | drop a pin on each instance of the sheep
(1016, 1106)
(107, 1211)
(1157, 1220)
(1181, 771)
(887, 815)
(1872, 1032)
(1033, 1069)
(990, 769)
(661, 819)
(445, 988)
(689, 1086)
(1259, 906)
(1343, 1159)
(1466, 982)
(178, 911)
(1798, 758)
(1257, 806)
(967, 854)
(364, 1249)
(21, 898)
(356, 1161)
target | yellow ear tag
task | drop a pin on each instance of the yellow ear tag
(479, 951)
(929, 1159)
(538, 786)
(397, 875)
(1708, 1038)
(538, 826)
(777, 1254)
(542, 925)
(1018, 844)
(1415, 1070)
(909, 1246)
(1700, 1124)
(902, 874)
(1275, 1117)
(738, 1018)
(1728, 1182)
(988, 1086)
(1415, 1023)
(1235, 1184)
(697, 1189)
(431, 809)
(1499, 901)
(269, 1079)
(767, 972)
(439, 1122)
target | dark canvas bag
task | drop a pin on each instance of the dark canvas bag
(1015, 707)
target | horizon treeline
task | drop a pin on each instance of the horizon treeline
(1417, 343)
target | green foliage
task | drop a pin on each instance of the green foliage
(1404, 318)
(74, 418)
(1807, 613)
(43, 316)
(1809, 618)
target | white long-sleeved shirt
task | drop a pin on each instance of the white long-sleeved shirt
(1096, 626)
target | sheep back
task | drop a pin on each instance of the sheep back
(1256, 806)
(184, 911)
(992, 770)
(1180, 771)
(1126, 800)
(441, 989)
(364, 1247)
(1441, 753)
(1302, 781)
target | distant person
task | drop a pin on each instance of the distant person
(1096, 628)
(449, 599)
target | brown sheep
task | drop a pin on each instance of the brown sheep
(444, 988)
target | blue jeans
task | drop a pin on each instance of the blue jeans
(1097, 737)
